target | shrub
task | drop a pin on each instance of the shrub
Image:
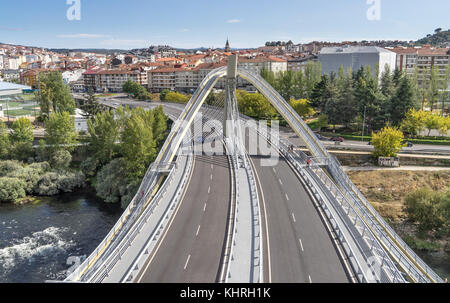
(61, 159)
(428, 208)
(387, 142)
(53, 183)
(11, 189)
(7, 167)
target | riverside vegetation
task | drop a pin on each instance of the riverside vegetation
(112, 157)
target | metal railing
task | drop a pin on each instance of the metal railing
(141, 259)
(414, 266)
(328, 198)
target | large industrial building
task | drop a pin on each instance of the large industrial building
(354, 57)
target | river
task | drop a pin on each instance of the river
(36, 239)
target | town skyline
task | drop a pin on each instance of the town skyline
(45, 23)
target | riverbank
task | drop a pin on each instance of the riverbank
(387, 189)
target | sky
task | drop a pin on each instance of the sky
(127, 24)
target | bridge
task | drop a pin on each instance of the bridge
(259, 212)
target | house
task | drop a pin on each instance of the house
(81, 125)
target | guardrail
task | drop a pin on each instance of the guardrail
(242, 165)
(362, 268)
(140, 261)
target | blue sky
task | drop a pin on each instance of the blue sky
(194, 23)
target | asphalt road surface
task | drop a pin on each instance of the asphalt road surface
(192, 248)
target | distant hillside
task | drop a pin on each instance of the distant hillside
(440, 37)
(95, 51)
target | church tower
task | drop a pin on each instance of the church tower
(227, 47)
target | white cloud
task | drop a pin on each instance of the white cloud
(233, 21)
(85, 36)
(184, 30)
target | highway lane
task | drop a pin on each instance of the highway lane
(192, 248)
(300, 248)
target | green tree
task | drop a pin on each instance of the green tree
(138, 144)
(54, 95)
(21, 139)
(434, 121)
(133, 88)
(313, 72)
(322, 121)
(176, 97)
(414, 121)
(4, 141)
(302, 107)
(113, 185)
(163, 94)
(428, 208)
(433, 87)
(402, 101)
(387, 142)
(159, 126)
(320, 93)
(60, 133)
(91, 107)
(255, 105)
(103, 133)
(369, 98)
(387, 83)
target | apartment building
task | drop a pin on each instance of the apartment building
(424, 58)
(181, 79)
(258, 63)
(112, 81)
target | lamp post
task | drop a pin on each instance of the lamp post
(364, 121)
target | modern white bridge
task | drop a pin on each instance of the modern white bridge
(230, 218)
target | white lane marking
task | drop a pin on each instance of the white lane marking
(279, 180)
(209, 190)
(212, 166)
(187, 262)
(198, 230)
(301, 244)
(310, 281)
(287, 197)
(204, 208)
(274, 170)
(293, 217)
(211, 176)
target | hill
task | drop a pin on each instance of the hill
(439, 37)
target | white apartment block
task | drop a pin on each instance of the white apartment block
(355, 57)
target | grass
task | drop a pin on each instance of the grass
(422, 140)
(420, 244)
(386, 190)
(21, 112)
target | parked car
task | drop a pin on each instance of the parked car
(408, 144)
(337, 139)
(320, 137)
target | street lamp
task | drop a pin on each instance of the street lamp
(364, 121)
